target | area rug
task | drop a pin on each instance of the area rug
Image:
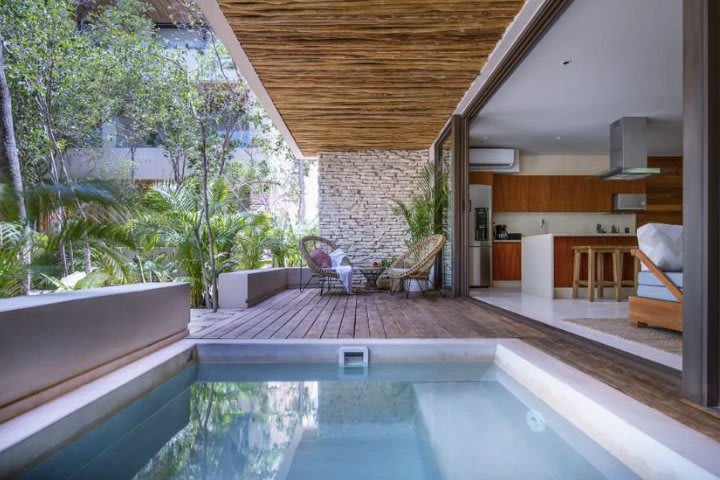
(659, 338)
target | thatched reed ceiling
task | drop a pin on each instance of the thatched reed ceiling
(361, 74)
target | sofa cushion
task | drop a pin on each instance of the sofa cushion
(662, 243)
(649, 278)
(657, 293)
(321, 258)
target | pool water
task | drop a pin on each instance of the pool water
(305, 422)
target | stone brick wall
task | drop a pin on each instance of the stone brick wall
(355, 207)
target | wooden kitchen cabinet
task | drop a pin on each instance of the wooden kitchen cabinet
(506, 261)
(506, 197)
(558, 193)
(521, 193)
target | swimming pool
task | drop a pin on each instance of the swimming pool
(477, 410)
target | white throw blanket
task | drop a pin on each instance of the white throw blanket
(345, 272)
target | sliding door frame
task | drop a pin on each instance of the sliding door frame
(701, 201)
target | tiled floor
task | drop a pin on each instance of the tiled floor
(556, 312)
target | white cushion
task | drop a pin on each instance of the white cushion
(396, 272)
(662, 243)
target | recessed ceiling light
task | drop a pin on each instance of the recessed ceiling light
(557, 138)
(485, 138)
(566, 62)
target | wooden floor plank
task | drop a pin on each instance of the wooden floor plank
(303, 328)
(347, 324)
(391, 328)
(290, 317)
(272, 312)
(375, 324)
(362, 326)
(276, 301)
(272, 323)
(317, 329)
(333, 325)
(290, 326)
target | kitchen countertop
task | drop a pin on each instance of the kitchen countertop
(507, 241)
(586, 234)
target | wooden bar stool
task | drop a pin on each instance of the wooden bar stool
(600, 282)
(596, 270)
(636, 269)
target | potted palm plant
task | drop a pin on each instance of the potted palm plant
(424, 213)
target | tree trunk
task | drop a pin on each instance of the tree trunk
(301, 186)
(206, 207)
(10, 153)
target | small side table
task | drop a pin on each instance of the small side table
(371, 275)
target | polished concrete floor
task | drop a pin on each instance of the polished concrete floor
(557, 312)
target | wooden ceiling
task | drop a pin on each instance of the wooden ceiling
(365, 74)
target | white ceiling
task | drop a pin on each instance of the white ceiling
(626, 61)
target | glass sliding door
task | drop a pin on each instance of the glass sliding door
(446, 164)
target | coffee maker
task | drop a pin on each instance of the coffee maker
(501, 232)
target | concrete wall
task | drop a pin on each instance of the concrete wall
(54, 338)
(245, 288)
(355, 204)
(151, 163)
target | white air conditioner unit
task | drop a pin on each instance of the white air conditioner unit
(494, 160)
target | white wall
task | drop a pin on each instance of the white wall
(563, 164)
(557, 222)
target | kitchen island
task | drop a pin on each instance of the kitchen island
(547, 260)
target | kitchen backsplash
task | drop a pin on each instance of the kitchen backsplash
(581, 223)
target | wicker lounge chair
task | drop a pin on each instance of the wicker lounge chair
(308, 245)
(415, 264)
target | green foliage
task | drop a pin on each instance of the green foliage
(172, 220)
(73, 68)
(425, 213)
(253, 244)
(235, 430)
(67, 81)
(284, 246)
(11, 268)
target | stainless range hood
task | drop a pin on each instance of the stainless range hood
(628, 150)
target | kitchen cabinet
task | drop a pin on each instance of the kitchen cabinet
(480, 178)
(521, 193)
(557, 193)
(506, 261)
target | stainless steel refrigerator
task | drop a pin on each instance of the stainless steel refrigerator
(481, 237)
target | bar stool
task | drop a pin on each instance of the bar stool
(596, 270)
(623, 250)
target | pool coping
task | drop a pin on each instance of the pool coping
(602, 412)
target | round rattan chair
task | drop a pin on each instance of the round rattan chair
(309, 244)
(415, 264)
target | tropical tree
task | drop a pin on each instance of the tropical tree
(174, 218)
(71, 70)
(10, 166)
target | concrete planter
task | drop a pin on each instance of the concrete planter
(56, 342)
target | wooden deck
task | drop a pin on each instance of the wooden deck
(295, 314)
